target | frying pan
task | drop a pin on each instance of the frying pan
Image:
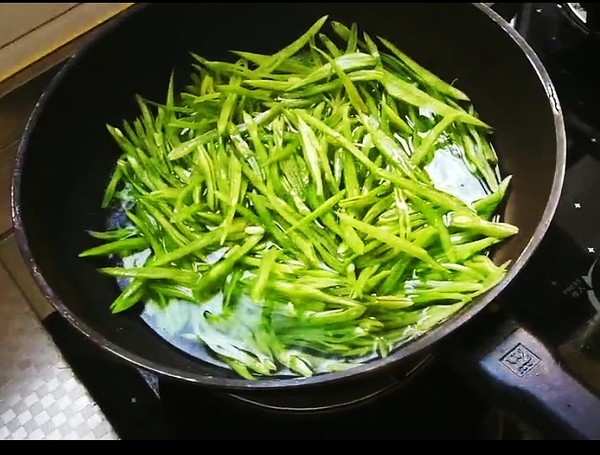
(65, 159)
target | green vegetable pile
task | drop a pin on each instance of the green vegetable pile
(297, 183)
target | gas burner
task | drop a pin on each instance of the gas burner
(583, 15)
(592, 279)
(578, 14)
(432, 403)
(333, 398)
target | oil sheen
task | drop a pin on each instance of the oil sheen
(181, 322)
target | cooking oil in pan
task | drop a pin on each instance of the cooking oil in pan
(180, 322)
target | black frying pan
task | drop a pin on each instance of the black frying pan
(66, 156)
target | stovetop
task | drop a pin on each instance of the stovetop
(557, 295)
(554, 296)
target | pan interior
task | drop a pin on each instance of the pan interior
(180, 319)
(66, 156)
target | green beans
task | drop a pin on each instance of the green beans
(425, 75)
(404, 91)
(220, 270)
(391, 240)
(286, 53)
(130, 244)
(295, 187)
(181, 277)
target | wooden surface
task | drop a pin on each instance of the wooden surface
(30, 32)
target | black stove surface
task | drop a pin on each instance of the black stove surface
(558, 291)
(553, 296)
(437, 405)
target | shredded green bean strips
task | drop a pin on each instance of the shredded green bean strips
(296, 186)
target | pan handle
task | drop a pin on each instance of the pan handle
(515, 368)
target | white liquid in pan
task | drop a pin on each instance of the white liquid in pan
(180, 320)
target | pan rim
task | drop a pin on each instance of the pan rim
(411, 348)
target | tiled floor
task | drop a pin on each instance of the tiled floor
(40, 397)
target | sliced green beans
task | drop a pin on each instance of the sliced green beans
(296, 187)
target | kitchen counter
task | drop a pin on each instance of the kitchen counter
(34, 35)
